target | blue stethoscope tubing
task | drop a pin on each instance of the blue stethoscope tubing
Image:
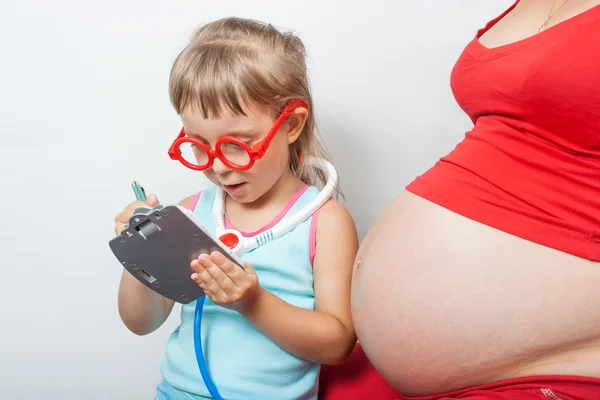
(210, 385)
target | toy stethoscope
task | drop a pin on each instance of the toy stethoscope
(240, 245)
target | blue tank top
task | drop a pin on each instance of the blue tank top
(242, 361)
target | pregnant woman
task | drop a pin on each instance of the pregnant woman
(482, 279)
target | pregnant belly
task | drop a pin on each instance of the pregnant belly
(441, 302)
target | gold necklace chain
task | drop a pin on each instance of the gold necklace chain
(551, 14)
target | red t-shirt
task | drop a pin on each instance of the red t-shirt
(531, 164)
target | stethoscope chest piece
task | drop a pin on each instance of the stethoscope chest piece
(232, 239)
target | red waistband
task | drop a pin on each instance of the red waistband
(551, 386)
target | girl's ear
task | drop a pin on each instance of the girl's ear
(295, 123)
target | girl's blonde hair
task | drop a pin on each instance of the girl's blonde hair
(233, 61)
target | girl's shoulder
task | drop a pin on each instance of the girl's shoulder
(190, 201)
(334, 230)
(335, 214)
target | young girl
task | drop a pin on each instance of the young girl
(242, 92)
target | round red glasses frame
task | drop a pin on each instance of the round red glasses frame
(256, 152)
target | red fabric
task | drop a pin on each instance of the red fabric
(357, 379)
(531, 164)
(534, 388)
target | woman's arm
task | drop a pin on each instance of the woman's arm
(325, 335)
(141, 309)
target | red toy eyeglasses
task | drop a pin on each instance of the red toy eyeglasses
(232, 151)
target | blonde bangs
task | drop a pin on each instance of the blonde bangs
(219, 77)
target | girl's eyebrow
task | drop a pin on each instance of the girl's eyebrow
(195, 136)
(248, 133)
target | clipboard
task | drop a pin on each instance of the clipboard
(158, 245)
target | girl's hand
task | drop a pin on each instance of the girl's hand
(224, 282)
(122, 218)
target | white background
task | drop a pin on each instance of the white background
(84, 110)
